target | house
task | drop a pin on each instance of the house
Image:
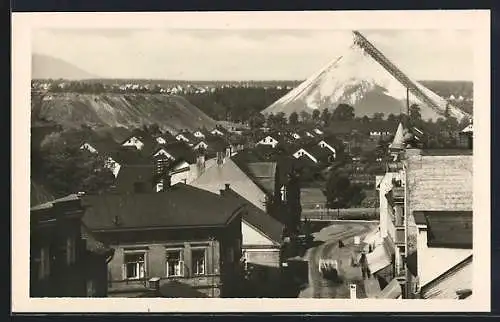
(445, 240)
(217, 131)
(302, 152)
(226, 171)
(104, 147)
(135, 141)
(65, 259)
(262, 246)
(325, 145)
(318, 131)
(201, 145)
(295, 135)
(199, 134)
(307, 134)
(180, 238)
(455, 283)
(424, 189)
(269, 141)
(185, 137)
(136, 179)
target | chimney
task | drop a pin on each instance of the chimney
(200, 163)
(227, 186)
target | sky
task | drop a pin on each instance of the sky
(252, 54)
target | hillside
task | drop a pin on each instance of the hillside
(47, 67)
(70, 110)
(365, 79)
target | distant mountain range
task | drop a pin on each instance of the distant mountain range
(48, 67)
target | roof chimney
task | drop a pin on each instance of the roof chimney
(227, 186)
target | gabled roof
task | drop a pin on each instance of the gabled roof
(263, 174)
(105, 146)
(258, 218)
(440, 183)
(131, 174)
(445, 286)
(449, 229)
(180, 150)
(129, 156)
(180, 206)
(229, 173)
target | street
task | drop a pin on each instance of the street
(328, 238)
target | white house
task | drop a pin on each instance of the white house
(301, 152)
(199, 134)
(161, 140)
(323, 144)
(379, 133)
(318, 131)
(134, 141)
(112, 165)
(268, 140)
(163, 152)
(181, 137)
(87, 146)
(216, 132)
(180, 173)
(295, 135)
(200, 145)
(309, 134)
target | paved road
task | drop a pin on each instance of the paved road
(321, 288)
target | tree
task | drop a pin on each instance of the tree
(391, 118)
(336, 190)
(343, 112)
(293, 118)
(378, 116)
(67, 169)
(316, 115)
(415, 114)
(305, 117)
(257, 120)
(326, 116)
(365, 120)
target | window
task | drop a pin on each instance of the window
(198, 261)
(44, 263)
(283, 193)
(70, 250)
(135, 267)
(175, 263)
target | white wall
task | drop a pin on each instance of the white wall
(433, 262)
(251, 236)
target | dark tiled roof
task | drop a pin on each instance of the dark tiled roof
(180, 150)
(264, 174)
(179, 206)
(130, 156)
(258, 218)
(449, 229)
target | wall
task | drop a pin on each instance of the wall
(253, 237)
(435, 261)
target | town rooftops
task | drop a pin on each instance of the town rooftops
(258, 218)
(449, 229)
(439, 182)
(131, 174)
(179, 206)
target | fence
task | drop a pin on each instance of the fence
(341, 214)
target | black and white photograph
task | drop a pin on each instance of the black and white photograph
(227, 156)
